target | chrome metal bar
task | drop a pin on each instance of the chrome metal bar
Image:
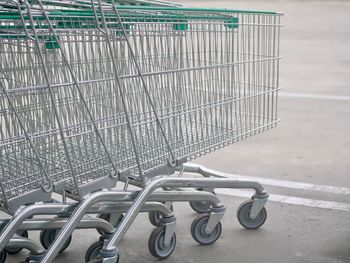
(16, 221)
(78, 214)
(195, 168)
(58, 223)
(20, 242)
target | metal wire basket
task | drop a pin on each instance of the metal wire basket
(93, 92)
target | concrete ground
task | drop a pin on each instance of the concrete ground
(311, 145)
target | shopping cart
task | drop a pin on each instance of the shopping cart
(93, 92)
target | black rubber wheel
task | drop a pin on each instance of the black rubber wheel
(47, 236)
(243, 215)
(155, 217)
(198, 231)
(93, 255)
(107, 217)
(93, 252)
(156, 243)
(12, 251)
(3, 255)
(201, 207)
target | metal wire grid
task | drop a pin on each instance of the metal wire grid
(209, 79)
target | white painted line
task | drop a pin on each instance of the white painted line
(314, 96)
(293, 184)
(291, 200)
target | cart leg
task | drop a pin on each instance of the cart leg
(21, 242)
(14, 224)
(111, 248)
(259, 199)
(81, 210)
(109, 251)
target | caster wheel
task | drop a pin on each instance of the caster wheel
(243, 215)
(156, 243)
(93, 255)
(3, 255)
(48, 236)
(12, 251)
(200, 207)
(107, 217)
(155, 217)
(198, 231)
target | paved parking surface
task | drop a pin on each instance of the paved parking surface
(311, 145)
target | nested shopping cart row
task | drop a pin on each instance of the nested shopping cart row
(92, 93)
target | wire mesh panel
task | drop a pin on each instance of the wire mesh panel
(218, 69)
(92, 90)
